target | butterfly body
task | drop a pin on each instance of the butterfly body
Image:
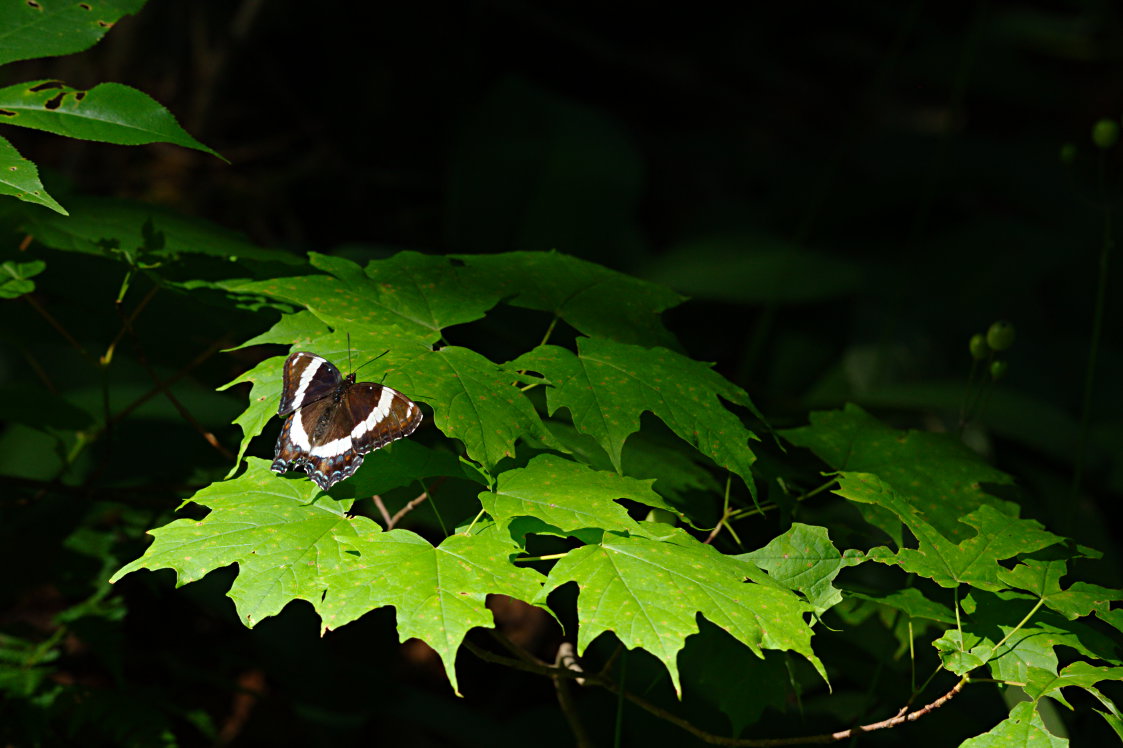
(333, 420)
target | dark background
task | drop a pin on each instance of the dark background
(846, 191)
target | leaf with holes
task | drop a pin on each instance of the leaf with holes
(649, 594)
(439, 593)
(108, 113)
(283, 535)
(607, 386)
(20, 179)
(568, 496)
(49, 28)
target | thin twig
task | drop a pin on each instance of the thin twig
(57, 325)
(382, 510)
(559, 672)
(413, 504)
(212, 349)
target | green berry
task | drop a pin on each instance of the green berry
(978, 346)
(1000, 336)
(1068, 153)
(1105, 133)
(997, 370)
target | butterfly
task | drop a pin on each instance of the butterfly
(333, 421)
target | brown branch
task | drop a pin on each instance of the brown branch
(413, 504)
(565, 697)
(382, 510)
(567, 672)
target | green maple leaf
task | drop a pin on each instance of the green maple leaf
(593, 299)
(607, 386)
(992, 618)
(935, 474)
(418, 294)
(649, 594)
(281, 536)
(742, 685)
(1023, 728)
(804, 559)
(439, 593)
(1042, 577)
(474, 400)
(568, 496)
(973, 561)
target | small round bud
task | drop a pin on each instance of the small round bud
(997, 370)
(1068, 153)
(978, 346)
(1105, 133)
(1000, 336)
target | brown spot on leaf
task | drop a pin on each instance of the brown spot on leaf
(45, 86)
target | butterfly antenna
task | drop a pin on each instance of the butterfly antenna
(380, 355)
(349, 369)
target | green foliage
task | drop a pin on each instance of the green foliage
(575, 464)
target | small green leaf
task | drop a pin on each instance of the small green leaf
(20, 177)
(108, 113)
(607, 386)
(649, 594)
(803, 559)
(1023, 728)
(15, 278)
(593, 299)
(568, 496)
(49, 28)
(439, 593)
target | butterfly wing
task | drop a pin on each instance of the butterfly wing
(328, 437)
(307, 378)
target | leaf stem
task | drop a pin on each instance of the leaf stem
(548, 557)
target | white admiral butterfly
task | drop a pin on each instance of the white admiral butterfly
(333, 421)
